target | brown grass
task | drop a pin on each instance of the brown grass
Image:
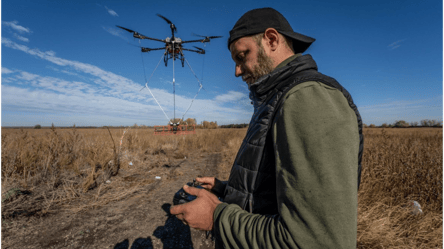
(400, 166)
(67, 169)
(62, 166)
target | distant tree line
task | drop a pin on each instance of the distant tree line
(37, 126)
(405, 124)
(234, 126)
(207, 125)
(213, 125)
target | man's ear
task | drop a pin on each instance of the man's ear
(272, 38)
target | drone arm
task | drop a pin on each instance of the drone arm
(146, 37)
(201, 40)
(206, 39)
(150, 49)
(196, 51)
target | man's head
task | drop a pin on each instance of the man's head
(260, 40)
(257, 55)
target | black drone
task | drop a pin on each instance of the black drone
(173, 46)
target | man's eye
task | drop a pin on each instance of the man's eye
(240, 57)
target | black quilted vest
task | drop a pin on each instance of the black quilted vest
(252, 181)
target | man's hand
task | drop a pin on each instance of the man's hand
(197, 214)
(206, 182)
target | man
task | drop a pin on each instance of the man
(294, 181)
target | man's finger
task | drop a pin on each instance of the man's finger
(205, 180)
(179, 216)
(191, 190)
(202, 179)
(177, 209)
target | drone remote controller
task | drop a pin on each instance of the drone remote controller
(182, 197)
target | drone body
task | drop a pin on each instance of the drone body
(173, 49)
(173, 46)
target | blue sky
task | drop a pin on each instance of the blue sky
(65, 62)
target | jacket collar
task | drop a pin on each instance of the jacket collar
(260, 89)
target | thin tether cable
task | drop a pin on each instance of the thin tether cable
(200, 87)
(143, 64)
(174, 82)
(146, 84)
(203, 63)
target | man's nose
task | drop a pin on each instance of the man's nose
(238, 71)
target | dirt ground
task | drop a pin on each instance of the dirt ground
(139, 219)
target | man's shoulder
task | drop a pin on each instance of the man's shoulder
(311, 95)
(308, 87)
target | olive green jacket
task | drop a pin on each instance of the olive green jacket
(316, 146)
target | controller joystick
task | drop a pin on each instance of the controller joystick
(182, 197)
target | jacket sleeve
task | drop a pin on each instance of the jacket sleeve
(316, 146)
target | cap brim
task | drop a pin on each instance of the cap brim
(300, 42)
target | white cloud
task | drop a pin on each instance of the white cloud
(50, 53)
(27, 76)
(65, 71)
(395, 44)
(398, 105)
(105, 93)
(7, 80)
(111, 12)
(21, 38)
(54, 95)
(111, 79)
(408, 110)
(18, 28)
(231, 96)
(6, 71)
(42, 100)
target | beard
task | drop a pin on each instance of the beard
(264, 66)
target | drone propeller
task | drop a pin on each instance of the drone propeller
(207, 37)
(172, 26)
(138, 35)
(164, 18)
(198, 48)
(129, 30)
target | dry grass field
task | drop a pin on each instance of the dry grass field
(400, 166)
(93, 185)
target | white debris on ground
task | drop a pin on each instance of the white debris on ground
(415, 207)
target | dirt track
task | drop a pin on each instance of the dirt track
(139, 220)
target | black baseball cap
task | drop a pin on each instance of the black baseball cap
(258, 20)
